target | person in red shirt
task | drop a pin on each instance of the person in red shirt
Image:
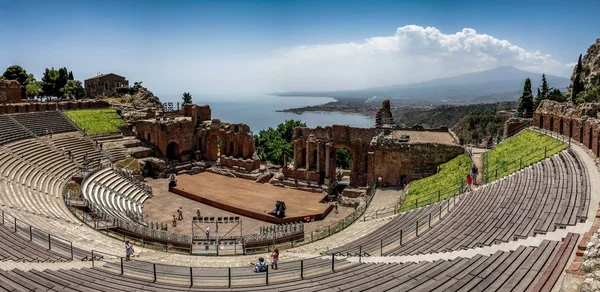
(469, 182)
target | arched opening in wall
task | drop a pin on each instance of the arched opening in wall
(580, 135)
(343, 165)
(571, 128)
(302, 160)
(219, 147)
(314, 159)
(173, 152)
(551, 123)
(541, 125)
(590, 138)
(561, 126)
(148, 137)
(231, 153)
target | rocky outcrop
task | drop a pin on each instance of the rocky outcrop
(141, 105)
(591, 68)
(569, 110)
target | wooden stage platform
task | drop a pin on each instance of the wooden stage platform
(251, 199)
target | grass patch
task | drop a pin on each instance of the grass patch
(130, 164)
(97, 121)
(520, 151)
(448, 181)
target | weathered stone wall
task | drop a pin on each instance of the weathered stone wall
(26, 107)
(413, 161)
(232, 143)
(10, 91)
(581, 122)
(513, 125)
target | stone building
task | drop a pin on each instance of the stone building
(194, 135)
(10, 91)
(104, 84)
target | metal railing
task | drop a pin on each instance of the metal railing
(223, 277)
(398, 238)
(46, 240)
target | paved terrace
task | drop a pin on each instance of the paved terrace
(423, 137)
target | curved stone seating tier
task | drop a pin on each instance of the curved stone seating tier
(11, 131)
(78, 146)
(16, 248)
(40, 122)
(371, 242)
(114, 194)
(525, 268)
(553, 193)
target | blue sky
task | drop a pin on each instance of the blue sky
(266, 46)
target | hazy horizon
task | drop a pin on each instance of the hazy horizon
(269, 46)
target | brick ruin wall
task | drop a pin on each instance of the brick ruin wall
(581, 123)
(315, 155)
(513, 125)
(196, 135)
(10, 91)
(411, 161)
(27, 107)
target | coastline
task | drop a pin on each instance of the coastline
(345, 106)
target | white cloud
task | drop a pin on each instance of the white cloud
(412, 54)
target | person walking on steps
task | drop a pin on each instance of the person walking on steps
(474, 172)
(469, 182)
(128, 250)
(274, 258)
(174, 221)
(180, 212)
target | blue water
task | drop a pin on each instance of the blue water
(260, 111)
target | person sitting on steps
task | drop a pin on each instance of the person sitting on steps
(260, 266)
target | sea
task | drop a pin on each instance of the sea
(261, 111)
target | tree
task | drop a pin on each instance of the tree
(590, 95)
(557, 95)
(343, 158)
(187, 98)
(273, 144)
(538, 98)
(63, 77)
(16, 72)
(578, 85)
(33, 89)
(73, 88)
(50, 82)
(526, 100)
(71, 75)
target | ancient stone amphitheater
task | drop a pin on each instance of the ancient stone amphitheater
(519, 233)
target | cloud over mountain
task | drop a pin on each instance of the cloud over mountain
(412, 54)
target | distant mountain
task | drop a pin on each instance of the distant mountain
(499, 84)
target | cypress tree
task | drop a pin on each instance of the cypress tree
(577, 82)
(526, 100)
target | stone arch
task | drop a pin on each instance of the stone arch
(173, 151)
(570, 128)
(541, 125)
(302, 159)
(551, 123)
(589, 138)
(314, 159)
(561, 126)
(231, 152)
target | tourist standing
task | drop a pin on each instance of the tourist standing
(469, 182)
(174, 221)
(51, 132)
(128, 250)
(198, 213)
(474, 172)
(335, 206)
(180, 211)
(274, 258)
(207, 233)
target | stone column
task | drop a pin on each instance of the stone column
(295, 166)
(318, 156)
(327, 150)
(307, 155)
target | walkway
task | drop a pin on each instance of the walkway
(478, 159)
